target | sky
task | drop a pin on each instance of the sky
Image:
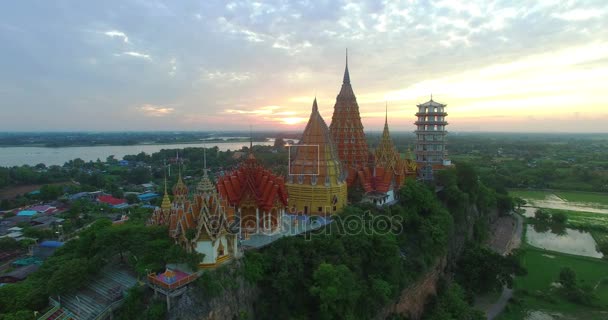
(115, 65)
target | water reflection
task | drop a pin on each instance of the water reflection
(561, 239)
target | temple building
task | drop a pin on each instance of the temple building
(200, 223)
(316, 179)
(381, 181)
(431, 154)
(258, 196)
(347, 130)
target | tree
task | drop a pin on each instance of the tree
(559, 217)
(541, 215)
(337, 291)
(279, 143)
(481, 270)
(132, 198)
(567, 278)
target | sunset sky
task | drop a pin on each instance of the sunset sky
(219, 65)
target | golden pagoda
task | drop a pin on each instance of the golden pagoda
(347, 130)
(316, 180)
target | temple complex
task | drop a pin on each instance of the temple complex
(431, 154)
(347, 130)
(383, 179)
(258, 196)
(316, 179)
(200, 223)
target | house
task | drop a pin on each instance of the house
(27, 213)
(123, 163)
(113, 202)
(46, 249)
(44, 209)
(145, 197)
(79, 195)
(18, 274)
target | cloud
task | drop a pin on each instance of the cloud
(222, 76)
(135, 55)
(579, 14)
(117, 34)
(150, 110)
(477, 56)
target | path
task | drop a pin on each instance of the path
(496, 308)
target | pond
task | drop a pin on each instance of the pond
(565, 240)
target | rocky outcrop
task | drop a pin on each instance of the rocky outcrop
(234, 301)
(412, 300)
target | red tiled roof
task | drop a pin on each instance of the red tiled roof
(110, 200)
(252, 181)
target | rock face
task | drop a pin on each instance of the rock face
(412, 300)
(234, 302)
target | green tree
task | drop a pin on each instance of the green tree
(337, 291)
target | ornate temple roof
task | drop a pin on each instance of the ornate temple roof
(315, 160)
(346, 127)
(205, 186)
(386, 153)
(251, 182)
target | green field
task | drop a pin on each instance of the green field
(530, 194)
(582, 219)
(534, 292)
(585, 197)
(570, 196)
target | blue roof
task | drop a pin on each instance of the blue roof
(51, 244)
(35, 192)
(147, 196)
(27, 213)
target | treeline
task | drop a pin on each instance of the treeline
(141, 248)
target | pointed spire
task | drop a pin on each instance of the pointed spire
(346, 74)
(386, 113)
(315, 108)
(431, 97)
(250, 140)
(204, 158)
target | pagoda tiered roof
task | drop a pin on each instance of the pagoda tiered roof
(251, 182)
(315, 160)
(346, 128)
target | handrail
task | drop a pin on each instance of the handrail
(49, 313)
(175, 285)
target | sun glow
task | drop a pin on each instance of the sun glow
(292, 120)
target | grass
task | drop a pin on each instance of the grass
(582, 219)
(530, 194)
(585, 197)
(534, 292)
(570, 196)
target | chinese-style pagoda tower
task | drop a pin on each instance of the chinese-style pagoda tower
(257, 194)
(431, 154)
(316, 179)
(347, 130)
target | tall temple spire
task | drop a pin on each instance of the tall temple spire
(166, 203)
(315, 108)
(347, 130)
(204, 158)
(346, 74)
(386, 114)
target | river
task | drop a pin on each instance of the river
(17, 156)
